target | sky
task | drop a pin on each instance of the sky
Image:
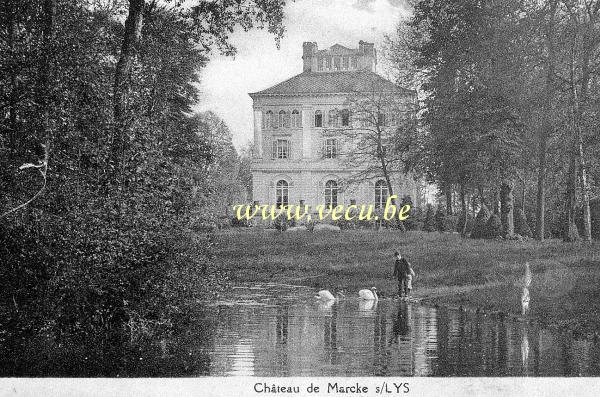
(258, 64)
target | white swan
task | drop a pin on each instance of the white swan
(328, 296)
(368, 294)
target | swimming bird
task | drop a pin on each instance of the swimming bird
(368, 294)
(327, 296)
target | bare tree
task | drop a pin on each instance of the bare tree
(379, 128)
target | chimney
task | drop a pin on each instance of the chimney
(368, 56)
(308, 51)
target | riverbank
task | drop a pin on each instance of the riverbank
(453, 271)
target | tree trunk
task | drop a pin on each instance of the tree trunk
(523, 193)
(49, 8)
(463, 204)
(570, 232)
(585, 196)
(131, 38)
(384, 170)
(496, 204)
(545, 130)
(578, 101)
(448, 192)
(541, 190)
(12, 108)
(507, 208)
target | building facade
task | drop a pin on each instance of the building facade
(298, 155)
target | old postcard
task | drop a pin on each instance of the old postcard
(310, 197)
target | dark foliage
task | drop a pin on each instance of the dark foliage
(493, 227)
(481, 220)
(430, 224)
(521, 225)
(102, 250)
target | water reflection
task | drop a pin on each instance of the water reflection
(301, 337)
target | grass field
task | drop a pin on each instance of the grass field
(453, 271)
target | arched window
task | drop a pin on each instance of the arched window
(283, 119)
(282, 193)
(318, 119)
(381, 193)
(331, 194)
(333, 118)
(269, 119)
(345, 118)
(296, 119)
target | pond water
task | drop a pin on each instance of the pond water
(274, 330)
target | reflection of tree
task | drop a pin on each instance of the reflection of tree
(282, 324)
(379, 343)
(442, 368)
(402, 336)
(503, 342)
(400, 325)
(281, 332)
(525, 350)
(462, 344)
(330, 337)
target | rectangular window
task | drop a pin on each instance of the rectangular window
(330, 148)
(281, 149)
(318, 119)
(296, 119)
(319, 64)
(328, 63)
(345, 118)
(354, 63)
(346, 63)
(337, 63)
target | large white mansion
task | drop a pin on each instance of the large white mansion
(296, 156)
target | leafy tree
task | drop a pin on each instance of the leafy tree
(95, 125)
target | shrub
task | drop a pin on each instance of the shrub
(521, 226)
(440, 219)
(281, 223)
(429, 223)
(450, 223)
(413, 215)
(479, 228)
(460, 223)
(493, 227)
(396, 224)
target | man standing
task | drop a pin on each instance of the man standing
(401, 270)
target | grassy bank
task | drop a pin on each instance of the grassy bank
(565, 291)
